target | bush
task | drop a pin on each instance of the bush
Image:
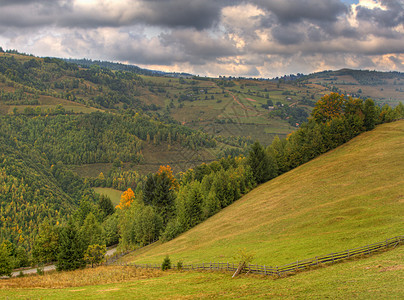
(179, 265)
(166, 263)
(40, 270)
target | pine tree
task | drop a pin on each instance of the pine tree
(106, 205)
(369, 110)
(6, 264)
(260, 163)
(71, 249)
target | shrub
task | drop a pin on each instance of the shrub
(166, 263)
(179, 265)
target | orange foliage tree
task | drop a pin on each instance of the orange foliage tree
(126, 199)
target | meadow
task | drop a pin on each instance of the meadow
(377, 277)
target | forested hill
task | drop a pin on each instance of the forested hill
(31, 191)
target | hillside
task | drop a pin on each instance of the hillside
(383, 87)
(346, 198)
(31, 192)
(225, 107)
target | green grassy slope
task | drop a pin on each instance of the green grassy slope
(349, 197)
(114, 195)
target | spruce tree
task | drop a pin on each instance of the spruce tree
(6, 263)
(260, 163)
(71, 249)
(106, 205)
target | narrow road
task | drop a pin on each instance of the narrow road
(53, 267)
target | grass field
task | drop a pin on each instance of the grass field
(377, 277)
(114, 195)
(347, 198)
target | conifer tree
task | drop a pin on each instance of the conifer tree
(260, 163)
(106, 205)
(71, 249)
(370, 114)
(6, 264)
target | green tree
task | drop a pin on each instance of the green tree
(6, 264)
(46, 247)
(263, 167)
(71, 249)
(106, 205)
(166, 263)
(110, 234)
(90, 232)
(21, 257)
(399, 111)
(159, 191)
(138, 225)
(189, 205)
(95, 254)
(369, 110)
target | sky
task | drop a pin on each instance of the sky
(257, 38)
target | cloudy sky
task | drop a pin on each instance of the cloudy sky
(258, 38)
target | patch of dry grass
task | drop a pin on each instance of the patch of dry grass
(78, 278)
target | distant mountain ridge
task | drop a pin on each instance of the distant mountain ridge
(123, 67)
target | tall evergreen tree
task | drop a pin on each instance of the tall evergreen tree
(369, 110)
(6, 263)
(260, 163)
(159, 191)
(106, 205)
(71, 249)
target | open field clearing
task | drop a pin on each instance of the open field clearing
(113, 194)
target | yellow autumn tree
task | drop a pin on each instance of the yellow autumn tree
(167, 172)
(328, 107)
(126, 199)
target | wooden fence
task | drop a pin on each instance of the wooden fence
(292, 267)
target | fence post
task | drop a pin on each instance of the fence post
(265, 269)
(317, 260)
(277, 271)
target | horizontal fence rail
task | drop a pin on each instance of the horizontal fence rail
(288, 268)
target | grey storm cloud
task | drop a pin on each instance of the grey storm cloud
(183, 13)
(209, 35)
(199, 14)
(288, 35)
(291, 11)
(390, 17)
